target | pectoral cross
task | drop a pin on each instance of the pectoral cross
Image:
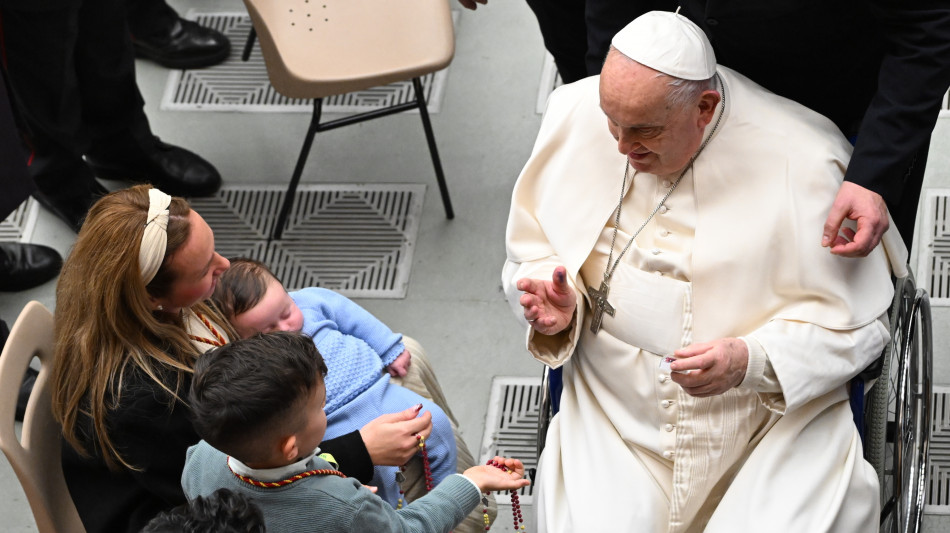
(600, 305)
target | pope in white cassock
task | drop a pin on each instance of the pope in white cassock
(700, 240)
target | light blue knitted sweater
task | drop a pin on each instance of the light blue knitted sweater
(355, 344)
(328, 503)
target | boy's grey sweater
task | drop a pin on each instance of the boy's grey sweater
(328, 503)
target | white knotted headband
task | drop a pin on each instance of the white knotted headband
(155, 237)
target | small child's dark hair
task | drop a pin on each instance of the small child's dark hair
(251, 391)
(241, 287)
(222, 512)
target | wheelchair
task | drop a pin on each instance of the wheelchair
(892, 405)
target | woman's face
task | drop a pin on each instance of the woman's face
(196, 267)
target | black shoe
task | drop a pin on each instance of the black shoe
(185, 44)
(26, 388)
(172, 169)
(72, 201)
(24, 266)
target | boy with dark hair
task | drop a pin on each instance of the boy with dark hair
(259, 401)
(358, 349)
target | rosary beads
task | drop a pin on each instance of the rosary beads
(515, 504)
(426, 467)
(516, 515)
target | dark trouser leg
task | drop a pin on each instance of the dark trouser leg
(72, 72)
(150, 19)
(72, 78)
(15, 179)
(105, 67)
(565, 35)
(39, 61)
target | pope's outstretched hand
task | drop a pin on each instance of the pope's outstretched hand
(548, 304)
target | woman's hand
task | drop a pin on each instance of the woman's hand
(391, 439)
(548, 305)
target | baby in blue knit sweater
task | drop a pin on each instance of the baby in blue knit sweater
(257, 405)
(360, 352)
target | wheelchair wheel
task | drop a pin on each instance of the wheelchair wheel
(899, 424)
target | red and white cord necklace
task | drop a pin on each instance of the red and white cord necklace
(218, 338)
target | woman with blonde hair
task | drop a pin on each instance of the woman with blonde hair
(131, 318)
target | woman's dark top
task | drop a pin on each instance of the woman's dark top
(154, 437)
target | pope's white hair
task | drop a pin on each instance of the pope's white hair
(683, 93)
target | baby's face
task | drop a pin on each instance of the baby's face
(275, 312)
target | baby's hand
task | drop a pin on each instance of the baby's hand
(491, 478)
(400, 366)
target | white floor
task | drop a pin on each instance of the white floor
(485, 131)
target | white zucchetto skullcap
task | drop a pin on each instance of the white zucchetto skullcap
(668, 43)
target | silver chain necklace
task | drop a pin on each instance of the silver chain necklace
(599, 296)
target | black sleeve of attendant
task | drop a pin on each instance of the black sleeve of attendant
(914, 75)
(351, 455)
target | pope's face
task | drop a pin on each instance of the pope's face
(655, 137)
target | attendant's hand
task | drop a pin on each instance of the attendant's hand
(864, 206)
(715, 367)
(472, 4)
(400, 365)
(391, 439)
(491, 478)
(548, 305)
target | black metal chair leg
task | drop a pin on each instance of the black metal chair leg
(251, 36)
(433, 150)
(298, 171)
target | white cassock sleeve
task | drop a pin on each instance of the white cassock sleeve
(809, 360)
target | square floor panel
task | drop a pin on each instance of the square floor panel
(937, 494)
(237, 85)
(511, 427)
(933, 262)
(356, 239)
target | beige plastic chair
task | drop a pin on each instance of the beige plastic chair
(36, 458)
(321, 48)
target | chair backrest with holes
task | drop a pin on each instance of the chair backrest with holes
(320, 48)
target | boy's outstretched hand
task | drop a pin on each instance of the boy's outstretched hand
(491, 478)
